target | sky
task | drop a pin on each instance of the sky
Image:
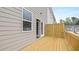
(64, 12)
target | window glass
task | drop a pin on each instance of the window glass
(27, 15)
(27, 20)
(26, 26)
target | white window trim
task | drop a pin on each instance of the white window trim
(27, 20)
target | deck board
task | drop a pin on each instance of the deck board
(48, 44)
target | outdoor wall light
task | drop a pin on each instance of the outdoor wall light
(41, 13)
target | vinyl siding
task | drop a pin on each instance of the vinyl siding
(50, 17)
(11, 36)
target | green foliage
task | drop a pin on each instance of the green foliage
(71, 21)
(67, 21)
(77, 23)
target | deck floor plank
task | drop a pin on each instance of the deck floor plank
(47, 44)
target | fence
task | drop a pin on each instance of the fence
(55, 30)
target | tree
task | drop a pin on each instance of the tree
(75, 20)
(67, 21)
(61, 21)
(77, 23)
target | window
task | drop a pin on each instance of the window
(27, 20)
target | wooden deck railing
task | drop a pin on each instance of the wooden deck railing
(57, 30)
(72, 40)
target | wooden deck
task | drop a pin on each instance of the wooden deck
(55, 39)
(48, 44)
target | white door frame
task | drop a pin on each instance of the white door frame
(42, 29)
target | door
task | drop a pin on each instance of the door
(37, 28)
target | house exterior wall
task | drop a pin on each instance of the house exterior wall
(50, 16)
(11, 35)
(36, 15)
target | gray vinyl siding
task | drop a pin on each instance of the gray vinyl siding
(12, 38)
(11, 35)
